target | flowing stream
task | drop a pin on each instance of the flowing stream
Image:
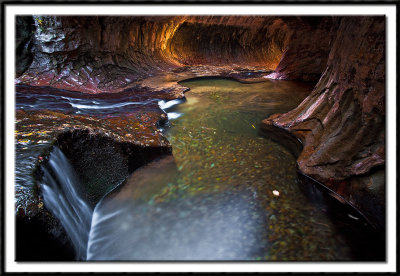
(226, 193)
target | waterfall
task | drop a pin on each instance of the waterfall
(169, 105)
(60, 189)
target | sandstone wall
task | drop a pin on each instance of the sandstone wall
(239, 41)
(342, 122)
(109, 54)
(306, 55)
(96, 54)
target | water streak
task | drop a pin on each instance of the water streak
(173, 115)
(84, 106)
(166, 105)
(61, 194)
(75, 104)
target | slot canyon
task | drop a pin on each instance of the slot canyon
(256, 138)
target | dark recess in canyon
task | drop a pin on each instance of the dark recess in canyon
(341, 124)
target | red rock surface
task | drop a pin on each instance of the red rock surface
(110, 54)
(306, 54)
(341, 124)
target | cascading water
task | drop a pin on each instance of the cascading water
(165, 106)
(61, 194)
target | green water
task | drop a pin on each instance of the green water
(227, 193)
(215, 142)
(217, 147)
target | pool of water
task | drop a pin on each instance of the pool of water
(227, 194)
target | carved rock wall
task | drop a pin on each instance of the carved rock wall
(110, 54)
(96, 54)
(342, 122)
(240, 41)
(306, 55)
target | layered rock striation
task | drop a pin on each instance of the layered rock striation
(110, 54)
(341, 124)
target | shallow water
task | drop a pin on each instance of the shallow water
(229, 194)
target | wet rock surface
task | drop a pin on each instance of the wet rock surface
(105, 148)
(308, 49)
(341, 124)
(101, 163)
(106, 59)
(111, 54)
(23, 43)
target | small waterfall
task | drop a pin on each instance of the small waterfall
(60, 190)
(167, 106)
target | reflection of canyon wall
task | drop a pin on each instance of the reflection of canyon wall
(341, 123)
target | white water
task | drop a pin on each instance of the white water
(173, 115)
(84, 106)
(60, 187)
(165, 105)
(169, 104)
(215, 228)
